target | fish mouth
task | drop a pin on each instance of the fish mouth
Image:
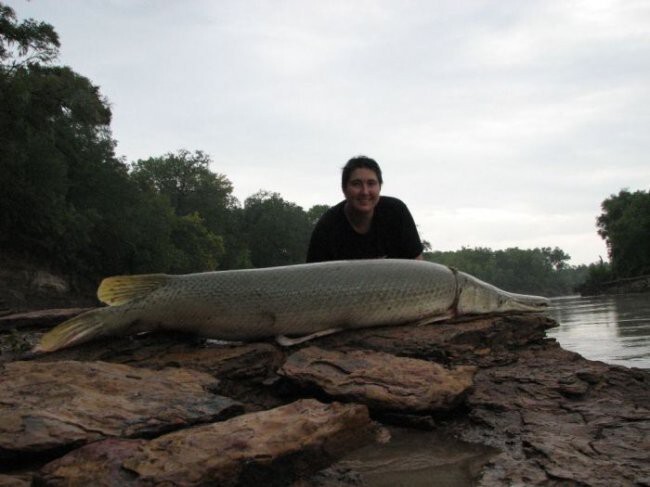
(524, 302)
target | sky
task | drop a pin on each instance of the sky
(500, 124)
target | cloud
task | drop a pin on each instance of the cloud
(499, 124)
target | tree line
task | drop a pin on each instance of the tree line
(68, 200)
(624, 224)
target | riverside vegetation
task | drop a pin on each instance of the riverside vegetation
(69, 203)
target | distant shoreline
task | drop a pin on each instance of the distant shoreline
(626, 285)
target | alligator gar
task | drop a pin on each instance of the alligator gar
(290, 301)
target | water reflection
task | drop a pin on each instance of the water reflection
(417, 458)
(614, 329)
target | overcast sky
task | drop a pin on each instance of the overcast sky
(500, 124)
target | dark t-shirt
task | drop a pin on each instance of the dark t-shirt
(392, 234)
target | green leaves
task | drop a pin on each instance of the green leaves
(530, 271)
(27, 42)
(625, 226)
(277, 231)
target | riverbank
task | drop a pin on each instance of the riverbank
(639, 284)
(26, 285)
(187, 411)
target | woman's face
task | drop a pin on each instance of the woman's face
(362, 190)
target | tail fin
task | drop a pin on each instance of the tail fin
(109, 321)
(83, 328)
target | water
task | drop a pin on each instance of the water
(613, 329)
(414, 458)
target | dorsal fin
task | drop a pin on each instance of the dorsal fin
(118, 290)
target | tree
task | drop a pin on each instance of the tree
(556, 257)
(26, 42)
(65, 199)
(277, 231)
(185, 180)
(55, 146)
(625, 226)
(315, 212)
(197, 249)
(533, 271)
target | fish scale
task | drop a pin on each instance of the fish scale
(295, 300)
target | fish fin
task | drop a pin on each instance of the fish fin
(433, 319)
(82, 328)
(118, 290)
(285, 341)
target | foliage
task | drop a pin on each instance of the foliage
(277, 231)
(25, 42)
(315, 212)
(625, 226)
(186, 182)
(64, 196)
(196, 247)
(597, 275)
(537, 271)
(55, 157)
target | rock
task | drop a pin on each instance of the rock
(45, 318)
(243, 370)
(28, 285)
(44, 281)
(15, 480)
(271, 447)
(555, 418)
(479, 341)
(53, 406)
(560, 418)
(380, 380)
(97, 464)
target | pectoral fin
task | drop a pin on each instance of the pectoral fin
(285, 341)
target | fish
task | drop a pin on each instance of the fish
(292, 303)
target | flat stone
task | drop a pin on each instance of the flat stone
(97, 464)
(380, 380)
(15, 480)
(161, 350)
(482, 341)
(560, 418)
(50, 406)
(44, 318)
(272, 447)
(244, 370)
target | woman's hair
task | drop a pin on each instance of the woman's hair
(356, 163)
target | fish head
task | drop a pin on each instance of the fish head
(478, 297)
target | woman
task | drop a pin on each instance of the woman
(365, 225)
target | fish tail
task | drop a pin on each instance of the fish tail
(112, 320)
(88, 326)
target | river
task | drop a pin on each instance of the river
(614, 329)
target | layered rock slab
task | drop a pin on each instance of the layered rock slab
(380, 380)
(561, 420)
(243, 370)
(50, 406)
(271, 447)
(482, 341)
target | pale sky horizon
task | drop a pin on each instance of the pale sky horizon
(500, 124)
